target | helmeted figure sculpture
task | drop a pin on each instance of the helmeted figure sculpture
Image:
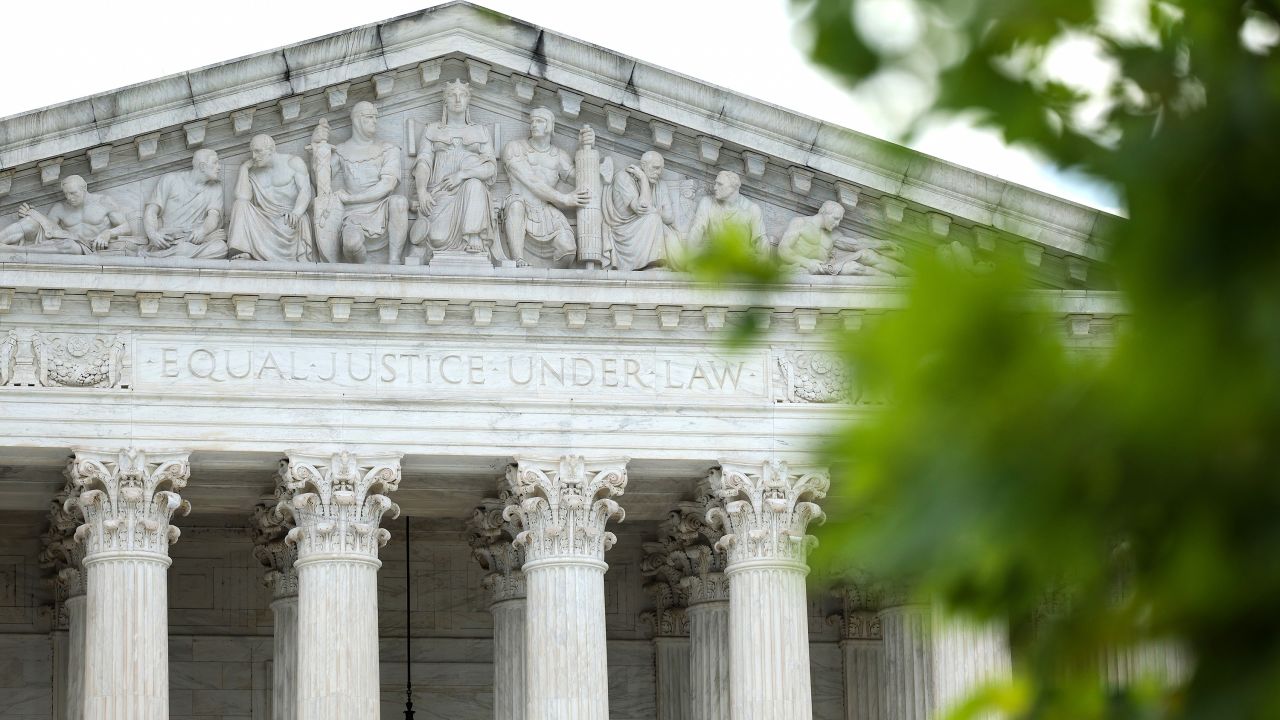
(363, 221)
(532, 214)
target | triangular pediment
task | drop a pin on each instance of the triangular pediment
(122, 141)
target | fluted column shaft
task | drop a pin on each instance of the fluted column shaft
(766, 510)
(568, 676)
(509, 665)
(671, 656)
(127, 498)
(908, 662)
(769, 642)
(338, 501)
(74, 700)
(863, 679)
(284, 661)
(966, 656)
(709, 634)
(562, 507)
(338, 639)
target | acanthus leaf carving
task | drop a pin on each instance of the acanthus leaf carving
(766, 510)
(62, 553)
(272, 521)
(339, 500)
(128, 498)
(563, 505)
(492, 540)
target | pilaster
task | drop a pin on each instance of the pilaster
(338, 501)
(128, 498)
(765, 510)
(491, 539)
(562, 507)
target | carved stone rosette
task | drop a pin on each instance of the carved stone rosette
(128, 497)
(272, 521)
(766, 511)
(562, 506)
(338, 502)
(492, 545)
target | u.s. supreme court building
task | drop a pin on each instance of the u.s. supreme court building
(339, 365)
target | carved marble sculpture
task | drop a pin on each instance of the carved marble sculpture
(183, 217)
(534, 222)
(362, 173)
(811, 244)
(727, 207)
(452, 174)
(639, 215)
(269, 220)
(79, 224)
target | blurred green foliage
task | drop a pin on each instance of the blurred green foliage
(1094, 501)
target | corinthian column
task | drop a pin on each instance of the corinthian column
(128, 498)
(562, 507)
(663, 568)
(862, 644)
(338, 504)
(766, 512)
(272, 521)
(908, 657)
(491, 545)
(966, 656)
(66, 557)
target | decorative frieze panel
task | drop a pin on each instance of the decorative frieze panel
(562, 506)
(814, 376)
(127, 498)
(74, 360)
(338, 501)
(766, 510)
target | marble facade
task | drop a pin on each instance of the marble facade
(431, 267)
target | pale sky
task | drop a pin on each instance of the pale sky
(81, 47)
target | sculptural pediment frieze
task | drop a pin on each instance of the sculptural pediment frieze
(461, 162)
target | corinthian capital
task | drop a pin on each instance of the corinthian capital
(61, 552)
(562, 506)
(492, 539)
(338, 501)
(272, 521)
(128, 498)
(765, 510)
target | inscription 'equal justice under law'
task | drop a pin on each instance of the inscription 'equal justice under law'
(645, 374)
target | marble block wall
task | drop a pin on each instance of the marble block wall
(26, 677)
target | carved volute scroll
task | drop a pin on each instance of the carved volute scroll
(702, 559)
(61, 553)
(563, 505)
(128, 498)
(338, 502)
(665, 564)
(859, 618)
(272, 521)
(766, 511)
(492, 540)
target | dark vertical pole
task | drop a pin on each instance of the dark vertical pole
(408, 628)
